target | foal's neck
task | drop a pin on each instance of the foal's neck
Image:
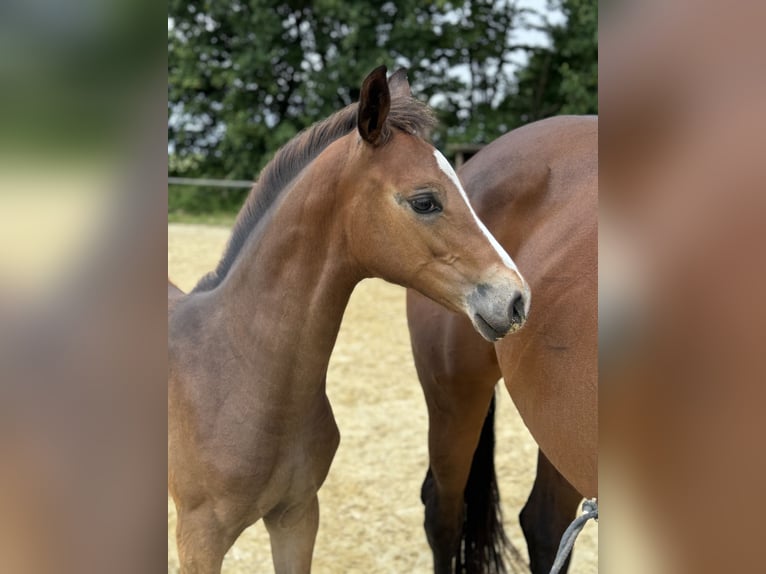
(285, 295)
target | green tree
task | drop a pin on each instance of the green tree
(247, 75)
(561, 78)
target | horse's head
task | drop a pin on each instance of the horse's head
(410, 220)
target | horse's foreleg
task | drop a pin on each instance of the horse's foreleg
(456, 416)
(202, 540)
(550, 508)
(292, 532)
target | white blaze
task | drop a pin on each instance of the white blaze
(447, 169)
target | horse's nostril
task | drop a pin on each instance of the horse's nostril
(517, 309)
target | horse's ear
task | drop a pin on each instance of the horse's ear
(374, 102)
(398, 84)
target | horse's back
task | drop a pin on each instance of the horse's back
(174, 296)
(533, 167)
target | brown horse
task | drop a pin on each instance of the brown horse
(251, 433)
(536, 188)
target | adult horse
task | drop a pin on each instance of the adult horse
(251, 433)
(536, 188)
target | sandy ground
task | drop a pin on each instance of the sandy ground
(371, 514)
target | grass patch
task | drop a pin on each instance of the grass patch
(219, 219)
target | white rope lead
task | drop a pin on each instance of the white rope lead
(589, 510)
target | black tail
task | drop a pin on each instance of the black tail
(484, 546)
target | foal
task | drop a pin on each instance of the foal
(250, 430)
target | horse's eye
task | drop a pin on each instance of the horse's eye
(425, 204)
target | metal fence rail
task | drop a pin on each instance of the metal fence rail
(200, 182)
(460, 152)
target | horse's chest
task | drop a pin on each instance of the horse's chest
(297, 465)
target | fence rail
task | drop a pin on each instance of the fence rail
(201, 182)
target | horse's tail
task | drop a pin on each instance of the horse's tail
(484, 545)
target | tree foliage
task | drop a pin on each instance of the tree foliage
(247, 75)
(561, 78)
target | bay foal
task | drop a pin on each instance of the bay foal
(251, 433)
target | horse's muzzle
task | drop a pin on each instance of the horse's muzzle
(495, 312)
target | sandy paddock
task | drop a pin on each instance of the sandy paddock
(371, 514)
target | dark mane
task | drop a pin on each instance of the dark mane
(406, 114)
